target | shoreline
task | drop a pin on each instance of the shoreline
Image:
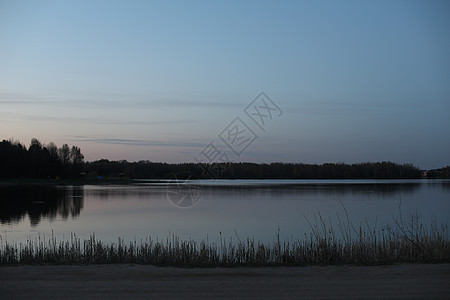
(126, 181)
(404, 281)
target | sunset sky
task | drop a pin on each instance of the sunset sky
(354, 81)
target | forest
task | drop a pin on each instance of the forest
(39, 161)
(50, 161)
(439, 173)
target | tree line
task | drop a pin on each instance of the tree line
(49, 161)
(443, 173)
(148, 169)
(39, 161)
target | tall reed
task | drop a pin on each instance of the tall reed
(408, 240)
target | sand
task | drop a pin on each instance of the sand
(409, 281)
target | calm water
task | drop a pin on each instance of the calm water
(207, 209)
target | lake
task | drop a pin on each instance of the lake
(210, 210)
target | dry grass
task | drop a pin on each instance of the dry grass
(408, 240)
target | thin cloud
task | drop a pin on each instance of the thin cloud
(102, 100)
(88, 120)
(342, 108)
(137, 142)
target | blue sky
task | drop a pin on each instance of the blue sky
(356, 81)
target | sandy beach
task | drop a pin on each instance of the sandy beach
(137, 281)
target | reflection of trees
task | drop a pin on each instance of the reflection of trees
(444, 184)
(325, 189)
(16, 202)
(378, 189)
(124, 192)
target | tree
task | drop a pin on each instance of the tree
(77, 160)
(75, 156)
(53, 150)
(39, 161)
(36, 159)
(64, 154)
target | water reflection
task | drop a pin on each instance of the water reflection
(379, 191)
(124, 191)
(248, 208)
(39, 202)
(296, 189)
(444, 184)
(330, 189)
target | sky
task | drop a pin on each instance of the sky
(181, 81)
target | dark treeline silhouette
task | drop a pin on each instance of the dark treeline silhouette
(49, 161)
(39, 161)
(443, 173)
(147, 169)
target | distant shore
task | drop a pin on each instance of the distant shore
(405, 281)
(124, 180)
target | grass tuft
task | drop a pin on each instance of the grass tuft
(408, 241)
